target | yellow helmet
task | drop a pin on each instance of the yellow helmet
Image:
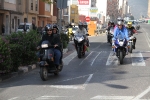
(129, 24)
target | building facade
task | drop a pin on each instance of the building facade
(31, 10)
(11, 13)
(74, 15)
(112, 9)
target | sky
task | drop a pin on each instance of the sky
(138, 7)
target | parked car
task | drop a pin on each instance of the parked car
(21, 26)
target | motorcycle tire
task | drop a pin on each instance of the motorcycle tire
(44, 73)
(130, 49)
(121, 57)
(79, 53)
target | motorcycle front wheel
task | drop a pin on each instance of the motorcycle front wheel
(44, 73)
(121, 57)
(130, 49)
(79, 53)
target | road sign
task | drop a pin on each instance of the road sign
(87, 19)
(62, 4)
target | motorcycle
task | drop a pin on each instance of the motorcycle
(110, 35)
(80, 45)
(47, 61)
(120, 49)
(131, 37)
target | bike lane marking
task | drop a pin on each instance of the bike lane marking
(137, 59)
(67, 59)
(74, 86)
(112, 60)
(142, 94)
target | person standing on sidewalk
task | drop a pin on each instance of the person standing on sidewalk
(33, 25)
(25, 27)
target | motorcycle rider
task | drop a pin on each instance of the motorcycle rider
(85, 26)
(81, 30)
(54, 41)
(120, 31)
(133, 31)
(112, 24)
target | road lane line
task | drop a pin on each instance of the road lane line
(142, 94)
(13, 98)
(95, 58)
(86, 57)
(67, 59)
(137, 59)
(113, 97)
(72, 78)
(52, 97)
(112, 59)
(87, 81)
(66, 86)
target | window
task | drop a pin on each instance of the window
(19, 2)
(72, 20)
(42, 23)
(31, 4)
(36, 5)
(12, 23)
(47, 7)
(18, 22)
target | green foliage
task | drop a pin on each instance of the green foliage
(65, 39)
(5, 59)
(23, 48)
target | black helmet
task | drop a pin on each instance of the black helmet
(48, 27)
(55, 26)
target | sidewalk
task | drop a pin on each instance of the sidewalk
(24, 69)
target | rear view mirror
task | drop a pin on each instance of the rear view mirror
(87, 34)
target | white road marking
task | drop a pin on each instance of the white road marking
(52, 97)
(87, 81)
(72, 79)
(73, 86)
(67, 59)
(112, 59)
(13, 98)
(137, 59)
(67, 86)
(147, 38)
(86, 57)
(95, 58)
(113, 97)
(142, 94)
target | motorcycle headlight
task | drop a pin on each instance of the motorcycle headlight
(121, 43)
(44, 46)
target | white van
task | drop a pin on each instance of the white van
(21, 26)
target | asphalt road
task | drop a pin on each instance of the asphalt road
(97, 76)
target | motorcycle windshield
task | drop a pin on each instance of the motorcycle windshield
(120, 36)
(111, 30)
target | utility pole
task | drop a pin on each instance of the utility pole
(60, 14)
(70, 3)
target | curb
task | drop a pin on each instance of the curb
(23, 69)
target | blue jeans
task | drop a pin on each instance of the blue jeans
(57, 55)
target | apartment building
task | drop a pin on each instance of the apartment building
(74, 14)
(31, 10)
(112, 9)
(11, 14)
